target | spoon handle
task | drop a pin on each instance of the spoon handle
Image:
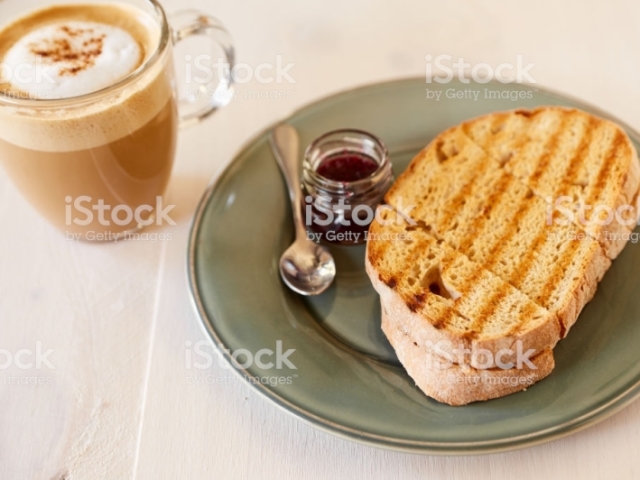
(285, 145)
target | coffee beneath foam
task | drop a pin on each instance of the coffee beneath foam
(68, 59)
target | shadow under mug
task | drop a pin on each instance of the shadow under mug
(96, 165)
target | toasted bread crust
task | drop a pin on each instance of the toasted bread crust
(459, 385)
(582, 291)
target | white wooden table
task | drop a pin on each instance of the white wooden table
(118, 404)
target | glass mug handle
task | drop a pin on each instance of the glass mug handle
(190, 23)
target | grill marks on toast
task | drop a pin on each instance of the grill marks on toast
(463, 290)
(564, 261)
(530, 311)
(542, 163)
(494, 199)
(458, 200)
(496, 248)
(523, 267)
(402, 281)
(456, 203)
(485, 181)
(411, 267)
(517, 277)
(525, 264)
(480, 220)
(602, 146)
(555, 278)
(490, 305)
(606, 167)
(577, 161)
(454, 208)
(493, 257)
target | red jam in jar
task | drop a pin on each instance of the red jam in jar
(347, 167)
(345, 175)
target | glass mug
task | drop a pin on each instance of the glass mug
(96, 165)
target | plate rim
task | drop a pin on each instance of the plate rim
(586, 420)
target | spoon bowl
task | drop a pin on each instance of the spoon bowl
(307, 268)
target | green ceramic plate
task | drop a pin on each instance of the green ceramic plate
(347, 379)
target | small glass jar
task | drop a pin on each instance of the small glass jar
(345, 176)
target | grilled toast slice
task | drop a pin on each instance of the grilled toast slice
(449, 304)
(457, 384)
(462, 197)
(569, 158)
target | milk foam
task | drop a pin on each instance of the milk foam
(76, 126)
(72, 58)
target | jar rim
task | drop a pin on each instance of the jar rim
(374, 177)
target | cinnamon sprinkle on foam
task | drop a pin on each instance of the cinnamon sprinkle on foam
(61, 50)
